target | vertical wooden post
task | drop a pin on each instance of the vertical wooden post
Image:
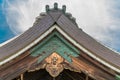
(53, 78)
(21, 77)
(18, 79)
(87, 77)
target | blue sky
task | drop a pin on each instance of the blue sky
(98, 18)
(5, 32)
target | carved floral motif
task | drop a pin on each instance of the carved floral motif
(54, 64)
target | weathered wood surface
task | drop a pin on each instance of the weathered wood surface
(26, 63)
(55, 43)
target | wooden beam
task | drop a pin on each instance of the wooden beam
(87, 77)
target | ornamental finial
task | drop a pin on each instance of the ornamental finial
(56, 6)
(47, 8)
(56, 9)
(64, 9)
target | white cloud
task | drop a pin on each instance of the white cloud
(94, 16)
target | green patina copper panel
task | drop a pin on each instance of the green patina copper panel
(55, 43)
(117, 77)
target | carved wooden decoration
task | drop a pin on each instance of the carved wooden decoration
(55, 43)
(54, 64)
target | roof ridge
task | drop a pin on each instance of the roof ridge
(63, 10)
(55, 9)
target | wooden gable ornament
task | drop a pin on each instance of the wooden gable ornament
(56, 45)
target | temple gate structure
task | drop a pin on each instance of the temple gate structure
(55, 48)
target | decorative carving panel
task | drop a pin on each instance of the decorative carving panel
(54, 64)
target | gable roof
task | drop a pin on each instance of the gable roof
(66, 25)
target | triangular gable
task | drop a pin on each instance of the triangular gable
(55, 43)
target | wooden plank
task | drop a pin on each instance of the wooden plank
(92, 70)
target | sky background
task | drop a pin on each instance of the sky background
(98, 18)
(5, 32)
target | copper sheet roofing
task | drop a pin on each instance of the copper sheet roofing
(67, 23)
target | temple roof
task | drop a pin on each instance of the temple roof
(67, 24)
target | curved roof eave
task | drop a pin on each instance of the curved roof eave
(6, 42)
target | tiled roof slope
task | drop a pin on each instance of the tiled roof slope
(67, 23)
